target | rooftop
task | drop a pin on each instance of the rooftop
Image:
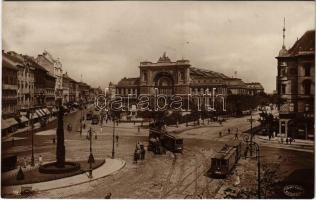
(305, 44)
(206, 73)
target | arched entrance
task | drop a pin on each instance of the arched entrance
(165, 83)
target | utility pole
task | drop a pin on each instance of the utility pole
(81, 116)
(113, 137)
(32, 134)
(250, 144)
(251, 132)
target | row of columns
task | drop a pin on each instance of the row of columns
(126, 91)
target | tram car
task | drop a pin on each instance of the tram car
(172, 143)
(224, 161)
(159, 140)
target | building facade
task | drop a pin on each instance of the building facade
(44, 92)
(296, 86)
(9, 86)
(178, 78)
(254, 88)
(54, 68)
(26, 81)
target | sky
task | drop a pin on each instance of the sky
(106, 41)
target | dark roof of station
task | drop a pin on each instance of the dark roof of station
(206, 73)
(128, 82)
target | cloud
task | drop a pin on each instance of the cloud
(105, 41)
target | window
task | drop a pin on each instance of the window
(283, 71)
(307, 107)
(145, 76)
(307, 87)
(283, 89)
(307, 70)
(282, 127)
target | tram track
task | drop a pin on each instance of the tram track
(179, 185)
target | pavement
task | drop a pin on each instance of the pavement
(37, 125)
(109, 167)
(298, 144)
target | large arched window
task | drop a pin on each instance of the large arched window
(307, 87)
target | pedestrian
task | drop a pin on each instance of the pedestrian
(117, 138)
(246, 151)
(287, 140)
(236, 136)
(291, 139)
(40, 160)
(220, 134)
(269, 136)
(84, 125)
(24, 162)
(228, 131)
(135, 156)
(108, 195)
(143, 153)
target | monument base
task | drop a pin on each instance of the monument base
(51, 168)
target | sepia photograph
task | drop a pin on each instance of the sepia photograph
(158, 100)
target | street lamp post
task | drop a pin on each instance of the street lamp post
(251, 132)
(91, 157)
(113, 137)
(251, 143)
(32, 134)
(81, 116)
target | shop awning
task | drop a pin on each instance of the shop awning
(46, 111)
(34, 116)
(42, 111)
(39, 113)
(7, 123)
(23, 113)
(24, 119)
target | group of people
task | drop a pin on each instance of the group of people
(288, 140)
(26, 162)
(228, 132)
(139, 153)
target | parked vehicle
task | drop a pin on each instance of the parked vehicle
(224, 161)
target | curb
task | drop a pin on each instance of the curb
(124, 163)
(75, 184)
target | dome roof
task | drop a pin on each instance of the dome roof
(283, 52)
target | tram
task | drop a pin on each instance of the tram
(224, 161)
